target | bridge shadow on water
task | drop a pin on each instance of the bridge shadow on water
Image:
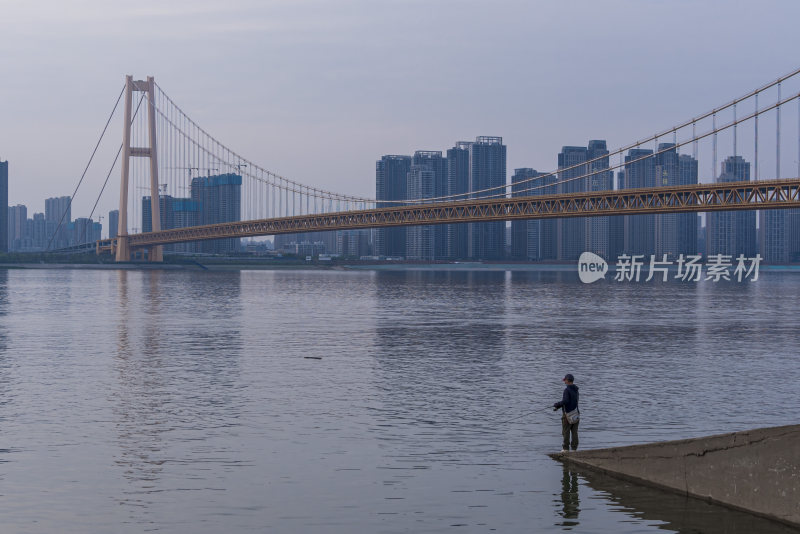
(665, 510)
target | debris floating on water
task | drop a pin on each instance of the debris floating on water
(312, 357)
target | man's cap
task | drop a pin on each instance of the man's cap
(569, 378)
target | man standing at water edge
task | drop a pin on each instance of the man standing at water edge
(569, 402)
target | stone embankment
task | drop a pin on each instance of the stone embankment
(755, 470)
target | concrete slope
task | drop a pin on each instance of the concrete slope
(674, 511)
(754, 470)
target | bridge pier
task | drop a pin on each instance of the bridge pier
(123, 251)
(155, 253)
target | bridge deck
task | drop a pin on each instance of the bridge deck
(771, 194)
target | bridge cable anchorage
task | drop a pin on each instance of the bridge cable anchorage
(91, 158)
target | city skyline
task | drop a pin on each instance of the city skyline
(302, 265)
(669, 234)
(302, 117)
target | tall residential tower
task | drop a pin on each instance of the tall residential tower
(3, 206)
(391, 183)
(732, 232)
(487, 170)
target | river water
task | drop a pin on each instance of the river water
(363, 401)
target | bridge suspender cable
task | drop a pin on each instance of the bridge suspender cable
(673, 130)
(210, 148)
(69, 204)
(189, 147)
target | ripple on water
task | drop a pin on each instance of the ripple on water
(372, 401)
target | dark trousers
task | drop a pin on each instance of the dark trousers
(567, 430)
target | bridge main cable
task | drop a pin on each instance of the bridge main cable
(504, 190)
(291, 185)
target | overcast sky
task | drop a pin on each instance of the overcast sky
(318, 90)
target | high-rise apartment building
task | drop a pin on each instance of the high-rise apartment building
(57, 209)
(487, 170)
(423, 185)
(732, 232)
(773, 241)
(83, 230)
(58, 212)
(533, 239)
(4, 206)
(793, 234)
(521, 184)
(687, 223)
(218, 199)
(458, 184)
(597, 229)
(174, 213)
(420, 239)
(616, 226)
(391, 184)
(675, 233)
(113, 223)
(583, 169)
(639, 229)
(42, 230)
(165, 212)
(31, 235)
(17, 215)
(572, 177)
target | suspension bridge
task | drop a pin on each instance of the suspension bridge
(165, 153)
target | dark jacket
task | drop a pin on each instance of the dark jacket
(569, 401)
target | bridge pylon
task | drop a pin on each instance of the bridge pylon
(123, 249)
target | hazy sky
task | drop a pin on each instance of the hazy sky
(318, 90)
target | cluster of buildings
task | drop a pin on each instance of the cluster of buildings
(346, 243)
(50, 230)
(467, 168)
(470, 168)
(213, 199)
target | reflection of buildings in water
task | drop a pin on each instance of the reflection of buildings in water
(5, 365)
(433, 318)
(674, 512)
(175, 361)
(570, 499)
(556, 313)
(3, 310)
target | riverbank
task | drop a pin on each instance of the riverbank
(757, 471)
(237, 264)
